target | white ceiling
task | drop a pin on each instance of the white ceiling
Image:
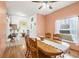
(29, 8)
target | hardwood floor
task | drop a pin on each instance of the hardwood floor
(14, 52)
(15, 49)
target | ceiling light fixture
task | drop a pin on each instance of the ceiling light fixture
(45, 4)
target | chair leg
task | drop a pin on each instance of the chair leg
(30, 55)
(62, 55)
(37, 54)
(27, 54)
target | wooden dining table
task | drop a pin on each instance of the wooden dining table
(49, 50)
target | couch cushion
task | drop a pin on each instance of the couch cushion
(66, 37)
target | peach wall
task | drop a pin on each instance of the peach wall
(64, 12)
(40, 25)
(2, 27)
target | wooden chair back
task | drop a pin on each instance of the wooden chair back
(33, 47)
(56, 37)
(47, 35)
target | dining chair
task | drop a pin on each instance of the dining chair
(56, 37)
(33, 48)
(47, 35)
